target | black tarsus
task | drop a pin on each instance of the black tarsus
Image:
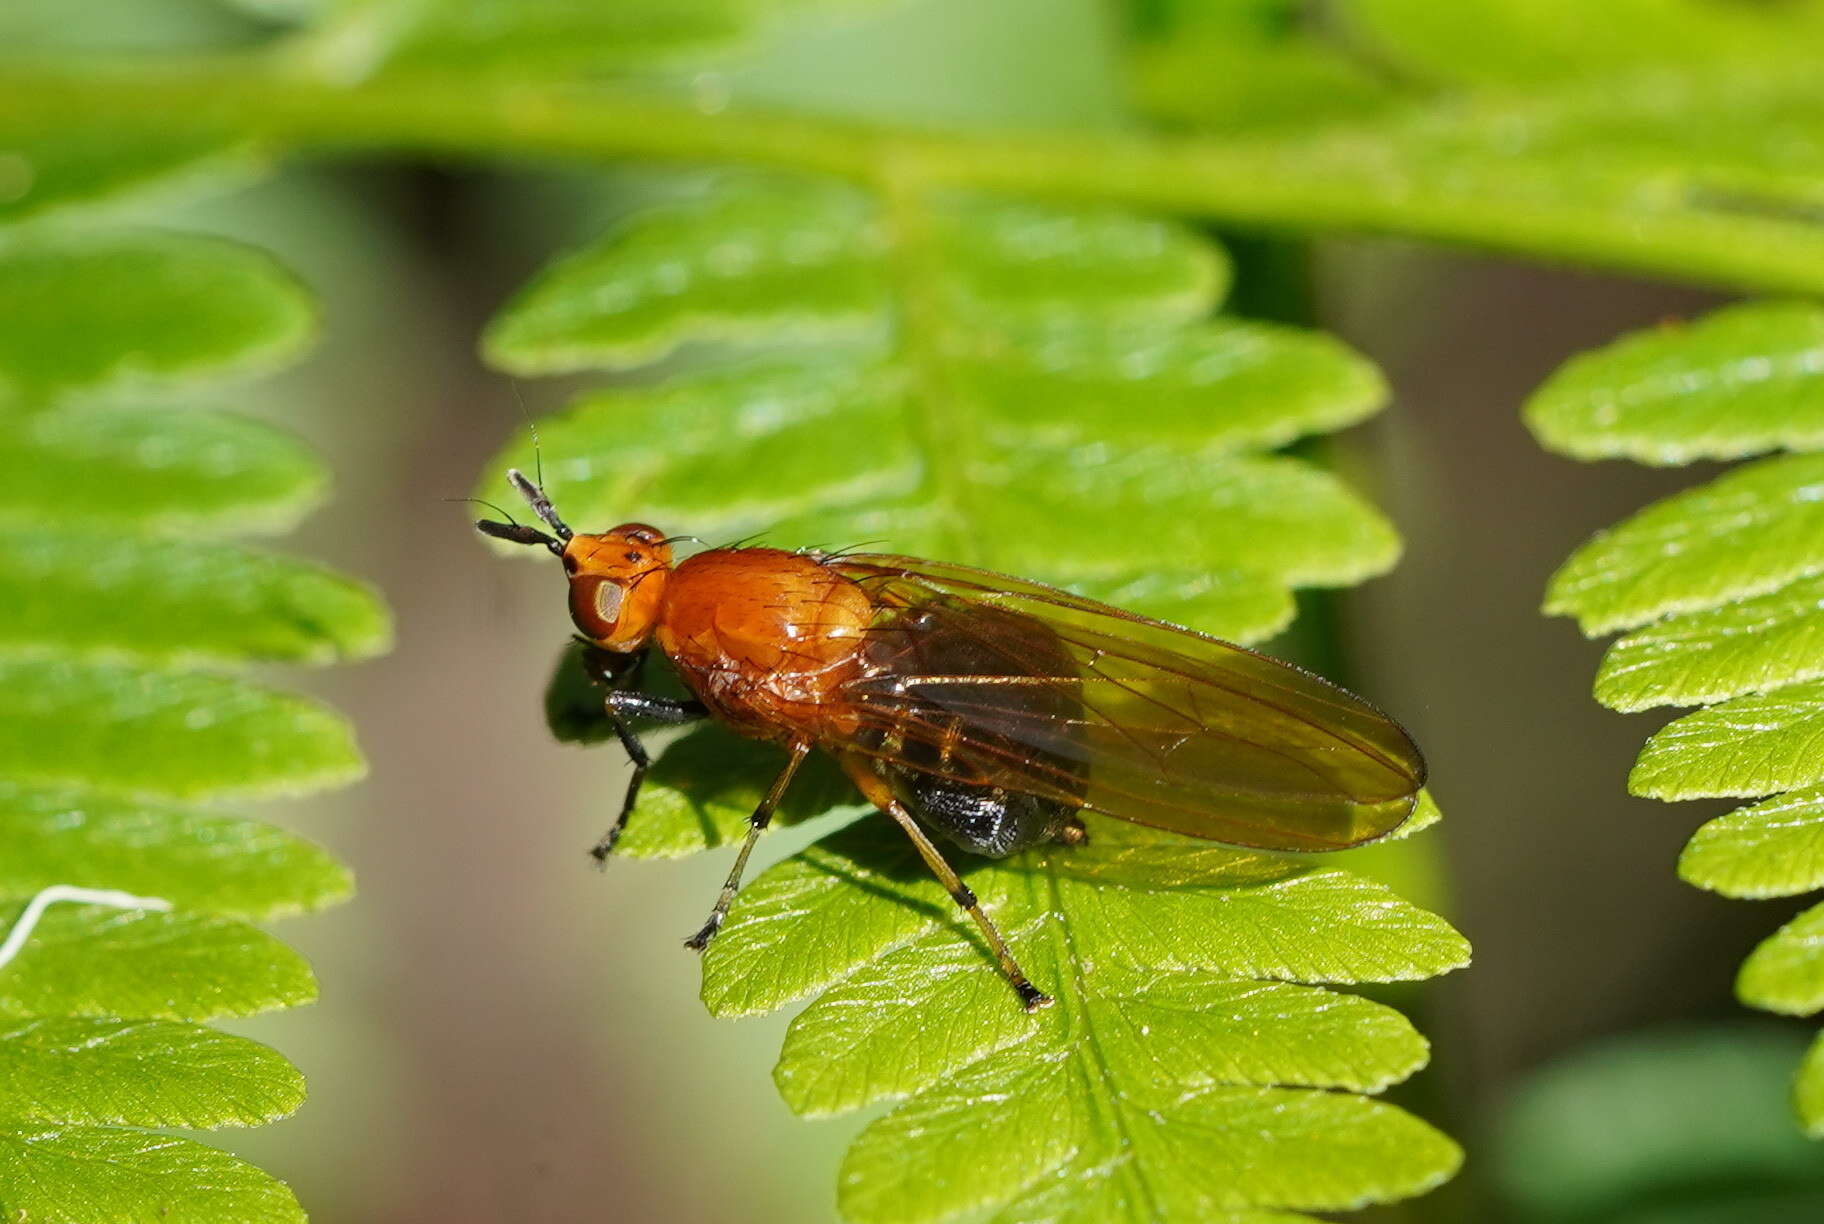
(622, 705)
(756, 825)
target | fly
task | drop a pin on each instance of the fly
(986, 709)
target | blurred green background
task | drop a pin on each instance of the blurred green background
(506, 1034)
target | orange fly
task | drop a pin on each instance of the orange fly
(984, 708)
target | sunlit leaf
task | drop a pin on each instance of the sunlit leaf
(127, 312)
(1740, 381)
(102, 576)
(1786, 972)
(1048, 1121)
(1209, 1029)
(1046, 401)
(92, 1072)
(1727, 573)
(809, 459)
(87, 168)
(198, 860)
(1750, 531)
(182, 471)
(1770, 849)
(810, 263)
(1752, 745)
(1742, 647)
(177, 601)
(183, 735)
(791, 916)
(79, 1175)
(89, 960)
(708, 782)
(1229, 384)
(755, 264)
(1150, 946)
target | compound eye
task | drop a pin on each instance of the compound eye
(608, 598)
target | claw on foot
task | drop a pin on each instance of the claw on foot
(1032, 997)
(700, 941)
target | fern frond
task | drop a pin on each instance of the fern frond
(1041, 391)
(1719, 587)
(116, 596)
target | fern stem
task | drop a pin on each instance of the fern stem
(1345, 179)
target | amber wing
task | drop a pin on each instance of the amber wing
(1127, 716)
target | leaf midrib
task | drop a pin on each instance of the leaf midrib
(1064, 943)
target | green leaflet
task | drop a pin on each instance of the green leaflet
(1786, 972)
(1749, 746)
(198, 860)
(184, 472)
(167, 601)
(88, 1072)
(1032, 390)
(1743, 647)
(1743, 380)
(812, 263)
(91, 168)
(80, 1174)
(140, 311)
(136, 731)
(1770, 849)
(89, 960)
(1209, 1029)
(108, 592)
(808, 905)
(1150, 942)
(759, 264)
(1063, 368)
(1726, 575)
(708, 782)
(183, 602)
(1229, 1148)
(1750, 531)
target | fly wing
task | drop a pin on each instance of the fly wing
(1076, 701)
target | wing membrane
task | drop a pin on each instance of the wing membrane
(1077, 701)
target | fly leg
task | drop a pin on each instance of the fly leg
(620, 708)
(756, 825)
(877, 792)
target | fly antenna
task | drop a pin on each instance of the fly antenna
(538, 455)
(482, 501)
(518, 533)
(541, 505)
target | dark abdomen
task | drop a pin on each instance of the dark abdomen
(962, 799)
